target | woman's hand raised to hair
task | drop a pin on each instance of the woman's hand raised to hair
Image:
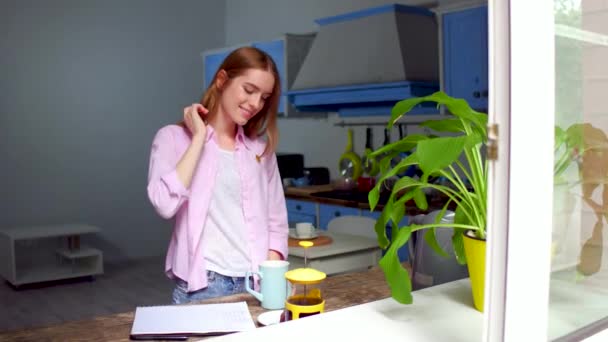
(195, 124)
(194, 121)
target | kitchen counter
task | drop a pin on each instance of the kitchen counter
(339, 291)
(440, 313)
(307, 193)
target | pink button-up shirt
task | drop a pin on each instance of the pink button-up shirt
(262, 197)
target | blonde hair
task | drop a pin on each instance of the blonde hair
(235, 64)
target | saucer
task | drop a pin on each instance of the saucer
(270, 317)
(294, 235)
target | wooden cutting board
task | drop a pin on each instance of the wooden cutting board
(307, 190)
(321, 240)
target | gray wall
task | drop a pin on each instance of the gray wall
(84, 87)
(86, 84)
(321, 142)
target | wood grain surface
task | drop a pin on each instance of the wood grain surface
(339, 291)
(321, 240)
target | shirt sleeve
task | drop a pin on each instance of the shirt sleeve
(277, 211)
(165, 190)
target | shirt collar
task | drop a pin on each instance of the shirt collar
(241, 138)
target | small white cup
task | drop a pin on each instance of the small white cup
(304, 229)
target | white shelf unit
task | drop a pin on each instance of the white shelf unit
(28, 255)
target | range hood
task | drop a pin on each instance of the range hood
(363, 62)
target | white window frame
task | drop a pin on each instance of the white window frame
(521, 71)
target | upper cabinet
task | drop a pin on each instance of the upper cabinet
(465, 55)
(212, 61)
(288, 53)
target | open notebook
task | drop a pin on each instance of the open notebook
(187, 320)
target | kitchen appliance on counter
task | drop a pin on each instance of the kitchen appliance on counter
(317, 175)
(309, 301)
(428, 267)
(291, 165)
(293, 172)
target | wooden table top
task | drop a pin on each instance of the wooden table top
(339, 291)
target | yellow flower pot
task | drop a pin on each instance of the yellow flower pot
(475, 251)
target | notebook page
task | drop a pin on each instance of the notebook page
(192, 319)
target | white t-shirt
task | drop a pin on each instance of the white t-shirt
(225, 245)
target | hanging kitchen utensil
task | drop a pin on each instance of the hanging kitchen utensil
(396, 159)
(410, 171)
(350, 163)
(370, 165)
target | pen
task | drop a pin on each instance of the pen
(160, 337)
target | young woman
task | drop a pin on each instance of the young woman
(216, 173)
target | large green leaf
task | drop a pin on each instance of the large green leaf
(403, 145)
(473, 140)
(445, 125)
(439, 153)
(403, 187)
(374, 194)
(420, 199)
(385, 162)
(458, 107)
(373, 197)
(397, 277)
(461, 109)
(430, 236)
(380, 227)
(431, 239)
(458, 245)
(402, 107)
(460, 216)
(398, 209)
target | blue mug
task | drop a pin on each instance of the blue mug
(273, 285)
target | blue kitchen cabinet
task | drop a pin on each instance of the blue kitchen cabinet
(276, 50)
(212, 61)
(465, 55)
(403, 252)
(328, 212)
(301, 211)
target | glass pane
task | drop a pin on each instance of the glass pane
(579, 277)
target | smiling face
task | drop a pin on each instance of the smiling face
(243, 96)
(246, 91)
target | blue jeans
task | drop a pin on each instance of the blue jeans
(218, 286)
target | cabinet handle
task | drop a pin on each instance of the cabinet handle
(298, 207)
(484, 93)
(476, 94)
(337, 213)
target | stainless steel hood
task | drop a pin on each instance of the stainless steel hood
(362, 62)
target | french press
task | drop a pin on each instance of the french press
(307, 299)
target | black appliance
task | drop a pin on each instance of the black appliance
(291, 165)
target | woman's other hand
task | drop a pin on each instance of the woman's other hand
(274, 255)
(194, 121)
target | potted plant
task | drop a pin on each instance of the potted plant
(464, 189)
(587, 146)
